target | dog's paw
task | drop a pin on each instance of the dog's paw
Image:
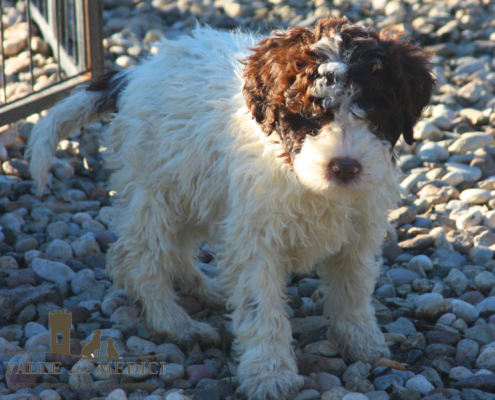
(359, 341)
(187, 331)
(281, 386)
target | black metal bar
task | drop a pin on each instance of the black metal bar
(74, 33)
(59, 39)
(30, 35)
(65, 7)
(2, 53)
(94, 14)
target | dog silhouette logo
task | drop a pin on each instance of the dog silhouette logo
(92, 349)
(60, 323)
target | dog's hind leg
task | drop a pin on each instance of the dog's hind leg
(190, 280)
(146, 257)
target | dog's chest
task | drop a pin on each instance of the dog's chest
(320, 228)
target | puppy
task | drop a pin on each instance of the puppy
(278, 150)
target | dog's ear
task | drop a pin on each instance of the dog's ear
(414, 79)
(278, 76)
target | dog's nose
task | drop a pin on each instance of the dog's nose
(344, 169)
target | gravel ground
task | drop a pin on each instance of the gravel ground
(435, 299)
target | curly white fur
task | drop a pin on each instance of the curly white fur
(191, 164)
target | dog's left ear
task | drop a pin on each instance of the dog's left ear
(413, 76)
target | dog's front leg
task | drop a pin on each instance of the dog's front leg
(351, 276)
(267, 368)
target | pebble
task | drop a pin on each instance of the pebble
(460, 373)
(486, 359)
(196, 373)
(471, 141)
(52, 271)
(466, 311)
(59, 250)
(457, 281)
(475, 196)
(85, 247)
(385, 381)
(486, 307)
(327, 381)
(171, 372)
(401, 325)
(485, 280)
(402, 276)
(420, 384)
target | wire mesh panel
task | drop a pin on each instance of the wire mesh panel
(73, 32)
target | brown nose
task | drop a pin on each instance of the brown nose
(344, 169)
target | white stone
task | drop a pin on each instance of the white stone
(489, 219)
(453, 178)
(425, 130)
(471, 141)
(432, 151)
(475, 196)
(14, 46)
(470, 219)
(469, 173)
(411, 180)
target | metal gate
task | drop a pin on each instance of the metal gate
(73, 29)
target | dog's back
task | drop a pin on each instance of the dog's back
(171, 100)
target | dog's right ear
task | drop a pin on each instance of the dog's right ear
(281, 63)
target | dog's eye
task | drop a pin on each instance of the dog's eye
(313, 132)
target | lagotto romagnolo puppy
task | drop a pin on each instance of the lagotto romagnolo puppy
(277, 150)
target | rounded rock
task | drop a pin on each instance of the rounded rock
(485, 280)
(420, 384)
(52, 271)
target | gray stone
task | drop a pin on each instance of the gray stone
(401, 325)
(357, 370)
(52, 271)
(433, 309)
(327, 381)
(385, 381)
(171, 372)
(58, 250)
(84, 280)
(402, 276)
(467, 351)
(57, 230)
(460, 373)
(85, 246)
(457, 281)
(170, 353)
(486, 359)
(308, 394)
(486, 307)
(27, 244)
(466, 311)
(484, 280)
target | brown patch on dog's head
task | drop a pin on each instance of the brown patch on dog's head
(389, 76)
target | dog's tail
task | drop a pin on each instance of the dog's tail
(84, 106)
